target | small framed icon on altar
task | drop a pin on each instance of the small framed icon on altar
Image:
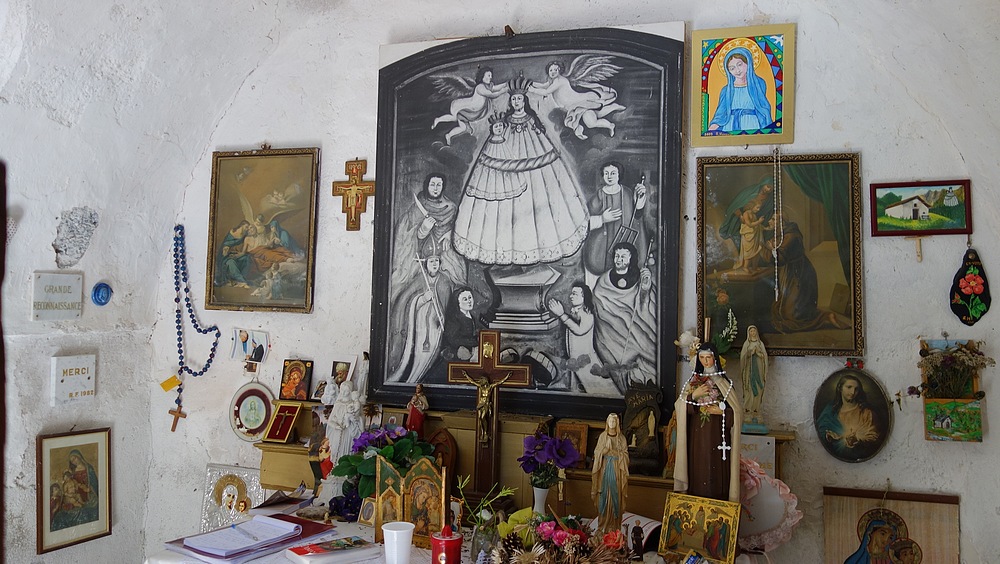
(279, 430)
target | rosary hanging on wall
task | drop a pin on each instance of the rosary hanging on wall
(182, 301)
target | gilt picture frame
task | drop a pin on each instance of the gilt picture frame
(262, 230)
(743, 85)
(705, 525)
(812, 303)
(451, 173)
(73, 488)
(918, 209)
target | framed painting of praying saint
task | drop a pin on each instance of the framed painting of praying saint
(262, 230)
(529, 185)
(742, 85)
(780, 244)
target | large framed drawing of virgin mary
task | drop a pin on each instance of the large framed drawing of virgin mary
(529, 185)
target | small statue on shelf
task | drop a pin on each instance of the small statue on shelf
(609, 478)
(416, 407)
(709, 418)
(637, 540)
(753, 370)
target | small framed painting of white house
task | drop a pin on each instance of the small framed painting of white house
(916, 209)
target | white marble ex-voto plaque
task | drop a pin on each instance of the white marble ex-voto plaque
(759, 448)
(74, 378)
(57, 296)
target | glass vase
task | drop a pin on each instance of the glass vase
(484, 538)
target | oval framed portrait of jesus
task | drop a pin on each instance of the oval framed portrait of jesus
(852, 415)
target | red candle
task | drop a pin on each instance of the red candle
(446, 547)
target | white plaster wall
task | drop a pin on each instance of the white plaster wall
(120, 106)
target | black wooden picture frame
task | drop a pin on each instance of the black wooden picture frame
(431, 123)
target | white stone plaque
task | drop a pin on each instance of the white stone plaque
(57, 296)
(761, 449)
(74, 378)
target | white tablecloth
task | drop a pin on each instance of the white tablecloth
(417, 556)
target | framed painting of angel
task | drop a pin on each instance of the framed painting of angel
(742, 85)
(529, 185)
(262, 230)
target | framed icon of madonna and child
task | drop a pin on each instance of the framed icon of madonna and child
(74, 488)
(743, 85)
(529, 185)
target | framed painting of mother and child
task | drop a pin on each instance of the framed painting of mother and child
(74, 488)
(530, 185)
(780, 245)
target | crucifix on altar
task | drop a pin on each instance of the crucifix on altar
(487, 375)
(355, 192)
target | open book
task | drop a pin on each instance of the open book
(310, 532)
(259, 531)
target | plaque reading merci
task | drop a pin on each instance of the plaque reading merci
(57, 297)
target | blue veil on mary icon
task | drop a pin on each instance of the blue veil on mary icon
(743, 102)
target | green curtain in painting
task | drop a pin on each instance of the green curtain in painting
(829, 184)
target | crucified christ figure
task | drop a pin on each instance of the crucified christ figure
(485, 398)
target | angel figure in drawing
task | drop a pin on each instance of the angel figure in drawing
(587, 102)
(470, 99)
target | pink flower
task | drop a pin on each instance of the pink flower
(546, 529)
(559, 537)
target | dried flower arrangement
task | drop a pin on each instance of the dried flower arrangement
(553, 540)
(949, 371)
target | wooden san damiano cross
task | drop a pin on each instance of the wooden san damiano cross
(355, 192)
(487, 375)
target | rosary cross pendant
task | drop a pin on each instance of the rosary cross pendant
(178, 414)
(724, 447)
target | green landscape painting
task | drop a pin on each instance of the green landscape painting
(921, 208)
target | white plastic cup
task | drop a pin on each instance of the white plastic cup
(398, 540)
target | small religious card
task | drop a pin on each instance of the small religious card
(74, 378)
(367, 514)
(295, 377)
(57, 296)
